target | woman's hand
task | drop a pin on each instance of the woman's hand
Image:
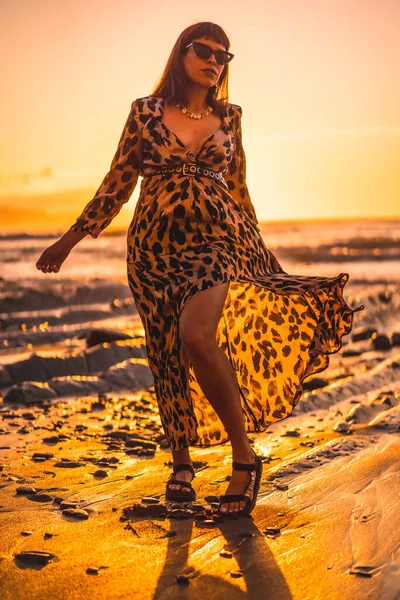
(53, 257)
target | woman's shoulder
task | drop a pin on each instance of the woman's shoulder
(233, 113)
(146, 104)
(236, 108)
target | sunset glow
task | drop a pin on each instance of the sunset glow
(318, 83)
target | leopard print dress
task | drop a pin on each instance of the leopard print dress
(191, 232)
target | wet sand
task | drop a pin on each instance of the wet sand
(83, 466)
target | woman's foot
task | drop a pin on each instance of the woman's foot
(182, 475)
(179, 457)
(238, 483)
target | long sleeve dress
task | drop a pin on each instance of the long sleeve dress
(189, 233)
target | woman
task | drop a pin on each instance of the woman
(230, 336)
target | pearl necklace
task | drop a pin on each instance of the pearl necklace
(194, 115)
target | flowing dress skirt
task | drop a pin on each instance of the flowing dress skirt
(276, 330)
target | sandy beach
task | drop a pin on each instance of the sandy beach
(83, 462)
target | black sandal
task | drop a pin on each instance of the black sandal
(180, 494)
(255, 470)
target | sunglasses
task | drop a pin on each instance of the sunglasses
(203, 51)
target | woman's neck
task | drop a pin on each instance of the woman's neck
(195, 99)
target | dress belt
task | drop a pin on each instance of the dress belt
(187, 169)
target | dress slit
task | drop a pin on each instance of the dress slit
(273, 339)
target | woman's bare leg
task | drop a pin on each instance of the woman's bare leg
(198, 326)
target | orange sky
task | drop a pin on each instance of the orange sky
(317, 80)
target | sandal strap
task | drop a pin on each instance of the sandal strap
(234, 498)
(184, 467)
(243, 466)
(179, 482)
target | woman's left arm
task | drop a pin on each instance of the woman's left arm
(236, 180)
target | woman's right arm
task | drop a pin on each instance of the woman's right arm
(120, 181)
(115, 189)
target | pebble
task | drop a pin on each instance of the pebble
(385, 296)
(28, 416)
(291, 433)
(147, 509)
(180, 513)
(146, 452)
(100, 335)
(170, 534)
(236, 573)
(150, 500)
(342, 428)
(315, 384)
(272, 531)
(381, 342)
(226, 554)
(134, 450)
(395, 339)
(44, 455)
(362, 571)
(40, 498)
(65, 504)
(198, 508)
(25, 429)
(139, 442)
(116, 434)
(76, 513)
(34, 558)
(69, 464)
(281, 486)
(361, 334)
(53, 439)
(25, 490)
(80, 427)
(26, 533)
(175, 505)
(209, 522)
(201, 517)
(100, 473)
(352, 352)
(57, 500)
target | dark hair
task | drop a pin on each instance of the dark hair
(172, 82)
